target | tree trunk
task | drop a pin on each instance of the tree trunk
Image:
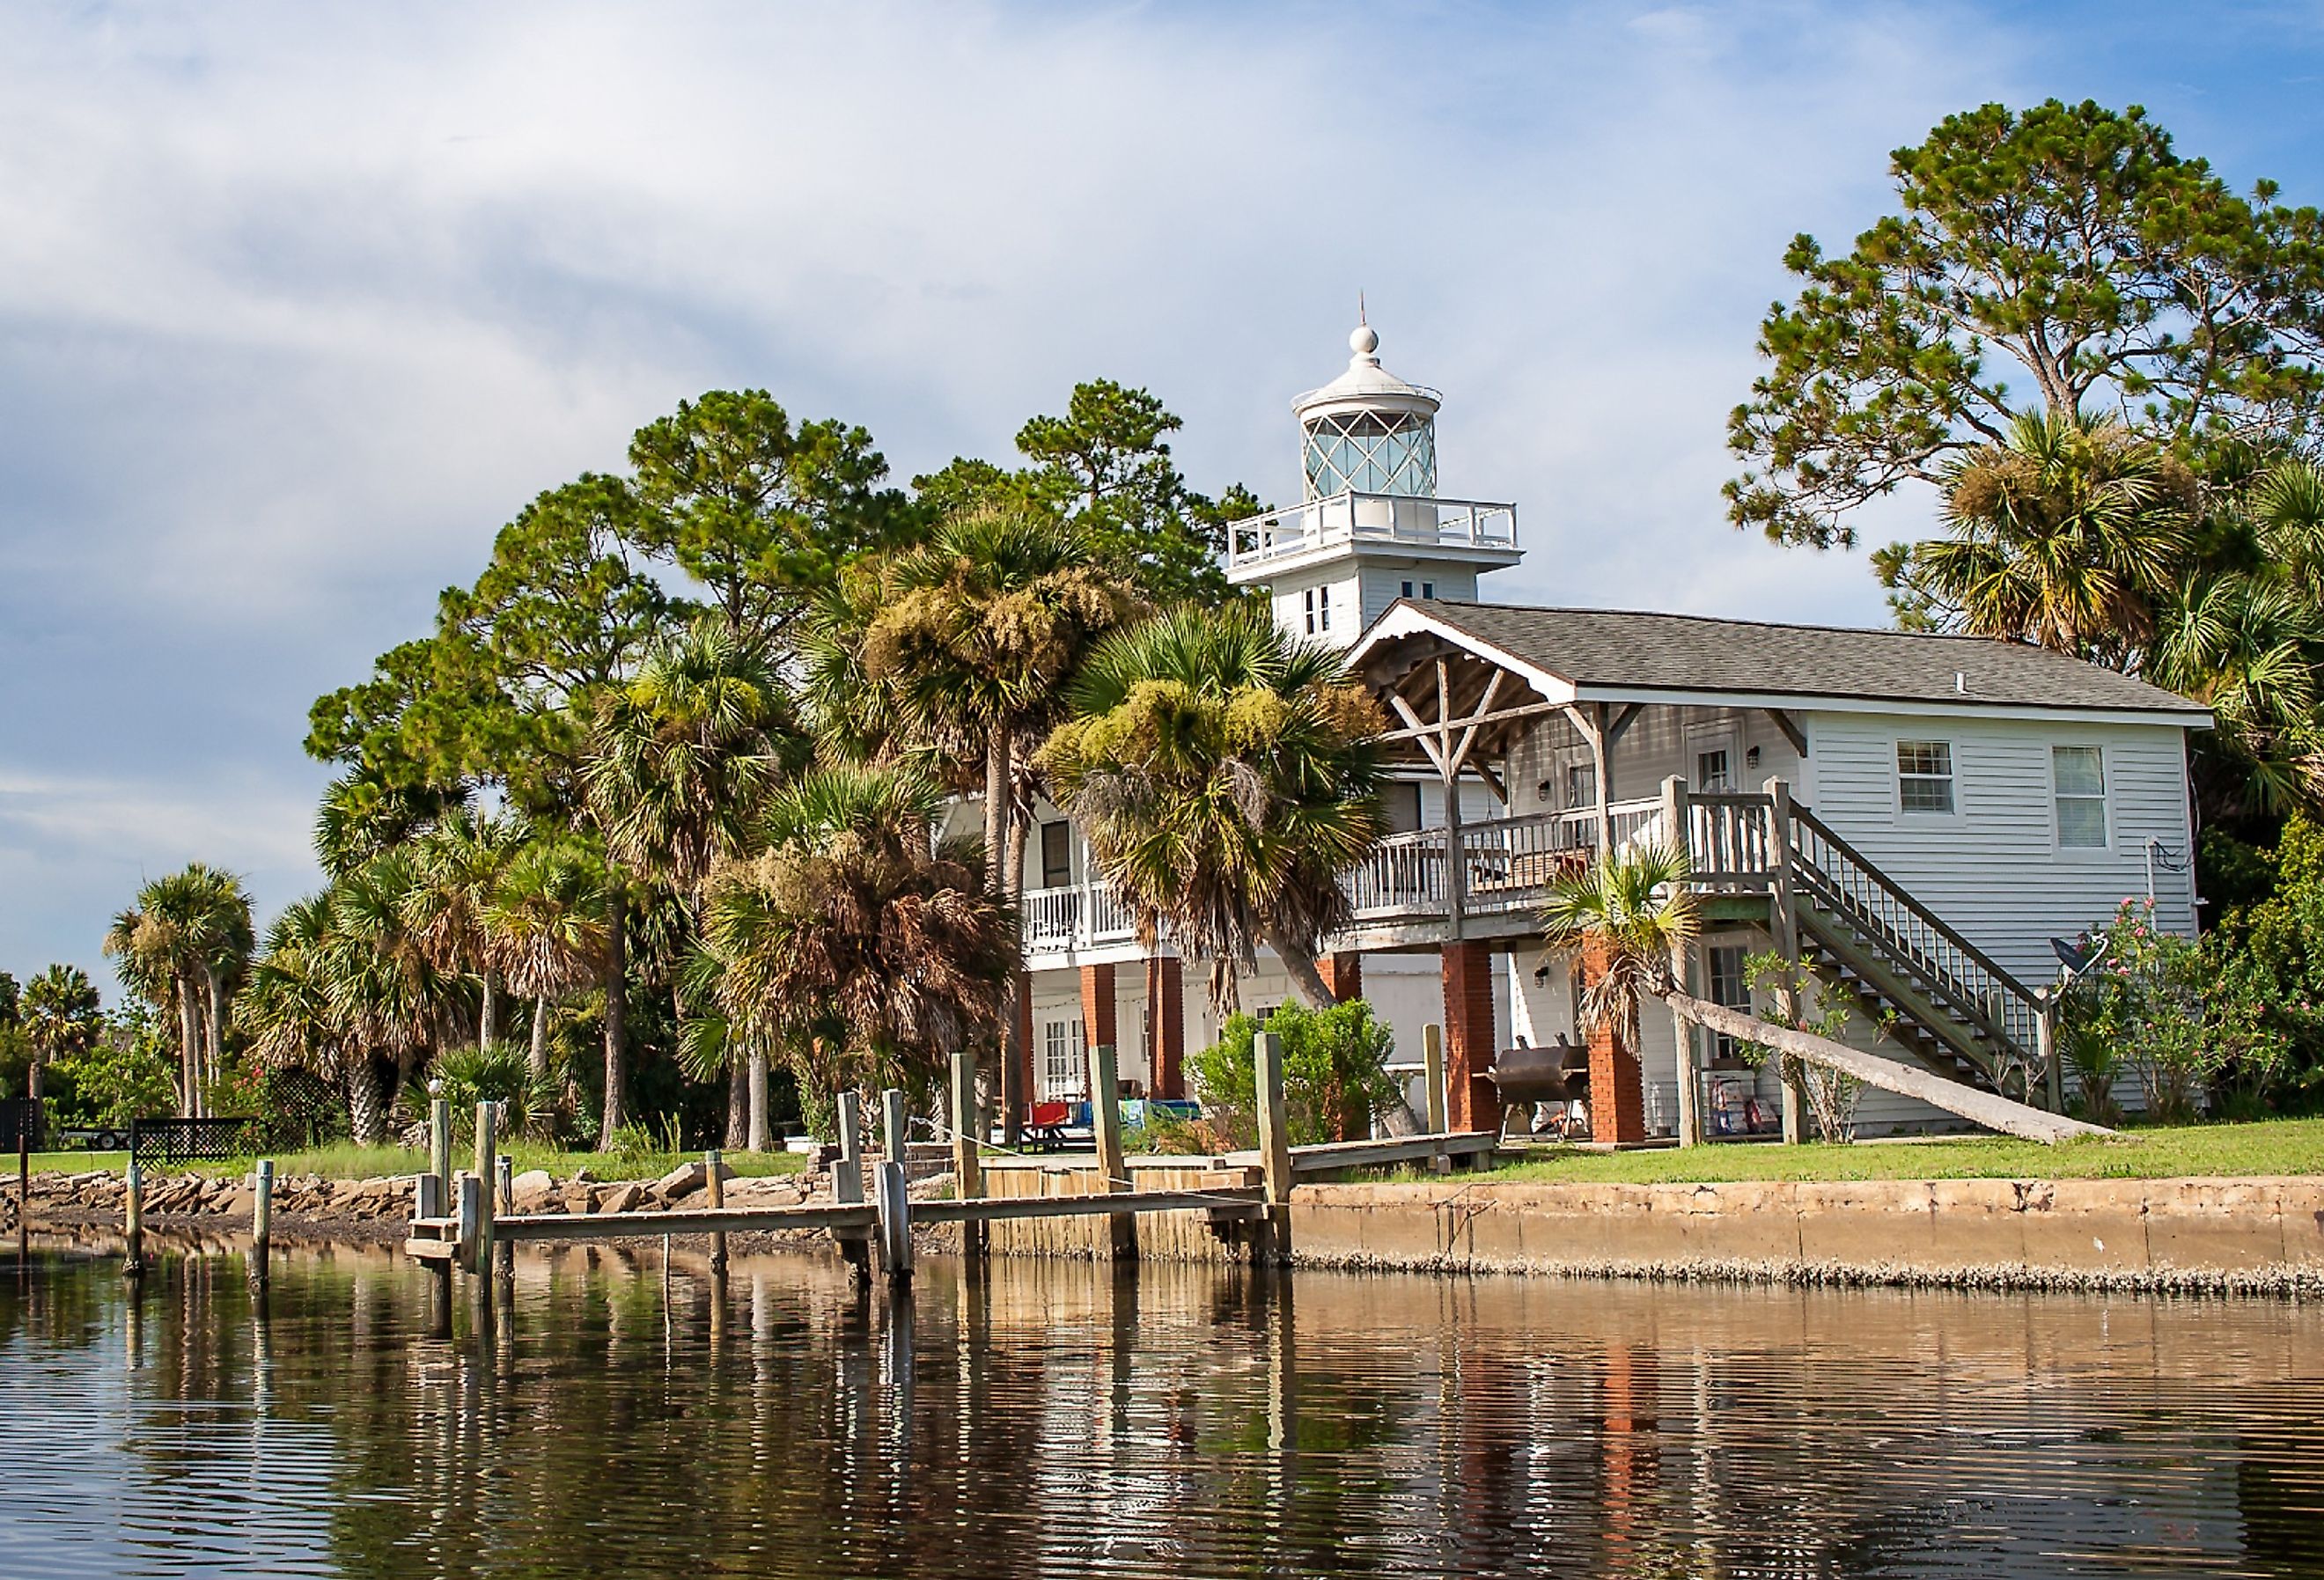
(35, 1070)
(189, 1051)
(998, 803)
(1016, 1057)
(617, 1043)
(1978, 1107)
(215, 1035)
(737, 1104)
(536, 1058)
(365, 1119)
(488, 1014)
(761, 1136)
(1300, 966)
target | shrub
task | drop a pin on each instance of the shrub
(129, 1072)
(1831, 1094)
(1334, 1073)
(467, 1075)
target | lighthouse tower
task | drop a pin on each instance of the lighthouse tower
(1370, 527)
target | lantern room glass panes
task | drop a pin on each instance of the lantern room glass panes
(1372, 452)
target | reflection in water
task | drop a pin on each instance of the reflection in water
(613, 1413)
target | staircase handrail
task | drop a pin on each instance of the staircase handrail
(1921, 913)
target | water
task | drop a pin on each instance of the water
(1053, 1419)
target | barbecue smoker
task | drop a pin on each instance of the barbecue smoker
(1558, 1074)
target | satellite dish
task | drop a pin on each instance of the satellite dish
(2071, 958)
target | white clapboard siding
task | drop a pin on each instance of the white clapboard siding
(1993, 871)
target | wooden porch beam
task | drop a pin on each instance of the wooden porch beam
(1793, 732)
(1622, 720)
(1497, 717)
(1460, 754)
(1417, 731)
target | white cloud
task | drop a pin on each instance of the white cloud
(297, 304)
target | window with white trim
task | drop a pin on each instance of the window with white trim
(1729, 987)
(2078, 780)
(1323, 608)
(1307, 610)
(1924, 777)
(1713, 774)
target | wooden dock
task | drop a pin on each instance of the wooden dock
(463, 1220)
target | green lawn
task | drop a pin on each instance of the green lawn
(354, 1163)
(2282, 1146)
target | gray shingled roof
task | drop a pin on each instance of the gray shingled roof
(1632, 650)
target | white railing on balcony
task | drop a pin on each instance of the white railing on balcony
(1079, 916)
(1384, 518)
(1509, 863)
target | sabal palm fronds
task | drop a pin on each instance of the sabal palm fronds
(549, 922)
(1225, 775)
(1626, 913)
(864, 948)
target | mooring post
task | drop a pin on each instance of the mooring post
(23, 1166)
(967, 1165)
(1274, 1145)
(847, 1181)
(133, 1222)
(487, 1149)
(262, 1219)
(895, 1198)
(1105, 1128)
(713, 1182)
(439, 1147)
(895, 1202)
(468, 1215)
(1432, 1075)
(503, 1206)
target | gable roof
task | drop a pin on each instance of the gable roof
(1623, 652)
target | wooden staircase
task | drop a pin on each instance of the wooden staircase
(1941, 999)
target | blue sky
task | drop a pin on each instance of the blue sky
(298, 303)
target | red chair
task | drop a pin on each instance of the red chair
(1045, 1125)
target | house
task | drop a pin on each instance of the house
(1914, 817)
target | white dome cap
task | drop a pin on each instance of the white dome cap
(1368, 383)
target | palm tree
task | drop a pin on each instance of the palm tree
(2247, 646)
(2071, 534)
(548, 923)
(296, 1015)
(858, 936)
(390, 995)
(360, 816)
(1630, 913)
(461, 860)
(972, 648)
(683, 759)
(60, 1018)
(182, 945)
(1224, 774)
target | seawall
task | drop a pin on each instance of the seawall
(2258, 1235)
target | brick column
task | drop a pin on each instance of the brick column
(1165, 1026)
(1618, 1099)
(1344, 974)
(1470, 1099)
(1097, 1009)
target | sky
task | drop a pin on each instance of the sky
(300, 303)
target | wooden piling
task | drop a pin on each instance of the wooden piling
(967, 1164)
(487, 1145)
(468, 1198)
(847, 1181)
(1432, 1065)
(439, 1148)
(895, 1126)
(895, 1204)
(1274, 1145)
(713, 1166)
(503, 1206)
(1782, 928)
(262, 1219)
(133, 1221)
(1105, 1127)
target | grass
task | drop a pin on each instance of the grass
(2279, 1146)
(348, 1162)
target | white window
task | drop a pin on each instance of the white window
(1428, 589)
(1061, 1059)
(1713, 774)
(1407, 590)
(1924, 776)
(1323, 609)
(1307, 610)
(1581, 785)
(1729, 987)
(2079, 776)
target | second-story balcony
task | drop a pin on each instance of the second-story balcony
(1475, 531)
(1508, 865)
